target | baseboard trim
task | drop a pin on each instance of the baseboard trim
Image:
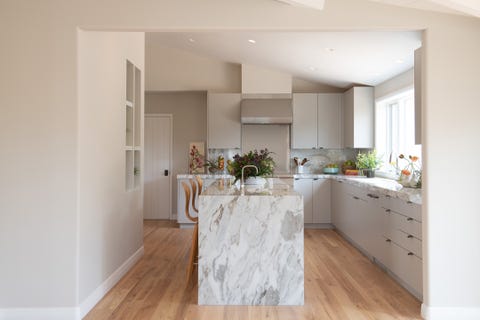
(448, 313)
(39, 313)
(109, 283)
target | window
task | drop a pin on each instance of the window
(395, 127)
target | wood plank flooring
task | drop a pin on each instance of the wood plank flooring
(340, 283)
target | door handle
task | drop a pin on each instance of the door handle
(165, 173)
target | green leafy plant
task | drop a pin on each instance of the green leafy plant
(368, 160)
(261, 159)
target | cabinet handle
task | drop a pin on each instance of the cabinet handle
(388, 210)
(373, 196)
(388, 240)
(297, 178)
(409, 202)
(340, 181)
(356, 198)
(410, 253)
(388, 196)
(409, 219)
(409, 236)
(315, 179)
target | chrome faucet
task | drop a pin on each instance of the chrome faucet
(242, 185)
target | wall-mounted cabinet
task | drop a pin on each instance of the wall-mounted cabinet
(133, 126)
(359, 116)
(223, 120)
(317, 120)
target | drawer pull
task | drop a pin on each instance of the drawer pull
(409, 219)
(410, 253)
(409, 202)
(297, 178)
(340, 181)
(388, 240)
(388, 196)
(374, 196)
(356, 198)
(409, 236)
(388, 210)
(315, 179)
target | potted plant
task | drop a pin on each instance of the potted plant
(261, 159)
(368, 162)
(411, 174)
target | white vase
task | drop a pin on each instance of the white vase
(255, 181)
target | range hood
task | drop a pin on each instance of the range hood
(266, 111)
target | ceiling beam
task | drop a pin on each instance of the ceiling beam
(471, 7)
(313, 4)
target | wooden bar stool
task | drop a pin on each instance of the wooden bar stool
(191, 194)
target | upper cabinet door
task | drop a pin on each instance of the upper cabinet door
(224, 128)
(329, 120)
(359, 118)
(304, 127)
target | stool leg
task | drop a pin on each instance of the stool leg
(193, 254)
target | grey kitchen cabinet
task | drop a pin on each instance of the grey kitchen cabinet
(316, 199)
(223, 120)
(321, 192)
(317, 120)
(359, 115)
(329, 120)
(387, 229)
(304, 187)
(304, 126)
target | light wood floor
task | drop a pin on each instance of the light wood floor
(340, 283)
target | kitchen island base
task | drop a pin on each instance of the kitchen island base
(251, 247)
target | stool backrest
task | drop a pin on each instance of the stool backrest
(188, 195)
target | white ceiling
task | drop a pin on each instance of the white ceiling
(468, 7)
(335, 58)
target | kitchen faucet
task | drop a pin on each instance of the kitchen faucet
(242, 185)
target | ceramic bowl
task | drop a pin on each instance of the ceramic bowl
(330, 170)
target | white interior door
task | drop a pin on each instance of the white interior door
(157, 175)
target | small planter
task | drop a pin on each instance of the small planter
(369, 173)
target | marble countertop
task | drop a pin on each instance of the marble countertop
(381, 186)
(221, 188)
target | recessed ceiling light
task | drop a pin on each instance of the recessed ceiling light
(399, 61)
(330, 49)
(191, 40)
(252, 41)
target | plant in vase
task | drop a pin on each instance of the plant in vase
(411, 174)
(368, 163)
(261, 159)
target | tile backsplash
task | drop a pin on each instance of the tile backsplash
(317, 158)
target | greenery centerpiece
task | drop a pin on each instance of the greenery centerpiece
(368, 162)
(261, 159)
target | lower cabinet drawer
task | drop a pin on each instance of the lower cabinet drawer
(404, 264)
(395, 220)
(406, 241)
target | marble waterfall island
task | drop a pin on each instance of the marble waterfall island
(250, 246)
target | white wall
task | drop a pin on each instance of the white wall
(171, 69)
(395, 84)
(305, 86)
(38, 131)
(110, 220)
(259, 80)
(189, 111)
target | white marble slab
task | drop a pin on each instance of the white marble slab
(251, 249)
(381, 186)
